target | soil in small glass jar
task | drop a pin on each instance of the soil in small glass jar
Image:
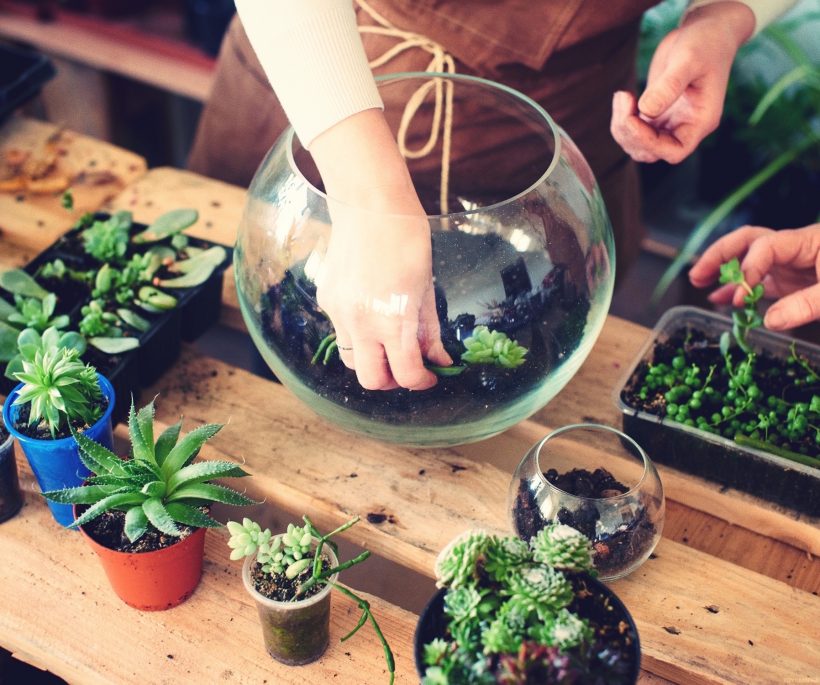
(614, 550)
(108, 529)
(280, 588)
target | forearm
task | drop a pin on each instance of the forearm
(763, 13)
(313, 57)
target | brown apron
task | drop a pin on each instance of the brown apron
(569, 56)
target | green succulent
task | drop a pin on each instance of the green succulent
(159, 485)
(96, 321)
(57, 386)
(562, 547)
(541, 589)
(286, 554)
(493, 347)
(457, 564)
(566, 631)
(462, 603)
(58, 270)
(503, 555)
(32, 312)
(107, 240)
(507, 630)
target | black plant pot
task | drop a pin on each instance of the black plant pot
(11, 499)
(592, 600)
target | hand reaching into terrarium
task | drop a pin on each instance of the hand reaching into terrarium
(686, 85)
(787, 262)
(376, 281)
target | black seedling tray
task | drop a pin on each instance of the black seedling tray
(197, 309)
(22, 74)
(716, 458)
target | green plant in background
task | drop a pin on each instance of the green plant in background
(107, 240)
(57, 386)
(296, 555)
(729, 400)
(159, 486)
(507, 609)
(59, 271)
(783, 130)
(31, 312)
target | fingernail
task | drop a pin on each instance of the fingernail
(775, 319)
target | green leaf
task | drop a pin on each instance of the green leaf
(211, 493)
(799, 73)
(154, 300)
(87, 494)
(110, 502)
(204, 471)
(97, 458)
(114, 345)
(190, 516)
(196, 270)
(725, 341)
(169, 223)
(155, 488)
(71, 340)
(145, 421)
(134, 320)
(6, 310)
(187, 448)
(136, 523)
(8, 342)
(18, 282)
(159, 517)
(142, 445)
(166, 442)
(815, 403)
(730, 272)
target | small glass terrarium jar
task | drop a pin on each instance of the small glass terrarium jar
(295, 632)
(599, 481)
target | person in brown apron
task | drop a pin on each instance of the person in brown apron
(570, 57)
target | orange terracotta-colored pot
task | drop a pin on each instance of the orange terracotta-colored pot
(154, 581)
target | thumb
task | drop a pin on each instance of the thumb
(794, 310)
(664, 88)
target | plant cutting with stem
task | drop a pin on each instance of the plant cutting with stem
(159, 486)
(745, 398)
(293, 567)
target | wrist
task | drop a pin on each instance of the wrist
(730, 20)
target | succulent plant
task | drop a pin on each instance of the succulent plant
(457, 564)
(493, 347)
(57, 386)
(159, 485)
(503, 555)
(562, 547)
(35, 313)
(107, 240)
(541, 589)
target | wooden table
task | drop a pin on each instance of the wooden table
(720, 549)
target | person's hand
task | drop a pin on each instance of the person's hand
(686, 85)
(376, 281)
(787, 262)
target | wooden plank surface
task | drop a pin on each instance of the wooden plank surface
(65, 618)
(428, 496)
(94, 170)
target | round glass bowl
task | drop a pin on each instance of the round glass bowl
(521, 245)
(599, 481)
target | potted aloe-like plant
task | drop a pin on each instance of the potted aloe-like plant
(146, 516)
(513, 612)
(290, 576)
(58, 398)
(11, 499)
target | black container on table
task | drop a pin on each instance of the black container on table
(433, 622)
(711, 456)
(11, 498)
(22, 74)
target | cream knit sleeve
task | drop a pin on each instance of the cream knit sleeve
(313, 57)
(765, 11)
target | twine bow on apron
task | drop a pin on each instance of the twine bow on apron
(441, 62)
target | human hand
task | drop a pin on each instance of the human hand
(376, 280)
(787, 262)
(686, 85)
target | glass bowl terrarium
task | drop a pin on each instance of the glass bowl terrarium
(522, 263)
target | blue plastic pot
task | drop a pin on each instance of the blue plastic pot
(56, 463)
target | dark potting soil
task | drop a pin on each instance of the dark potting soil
(774, 376)
(547, 315)
(613, 551)
(280, 588)
(40, 431)
(108, 529)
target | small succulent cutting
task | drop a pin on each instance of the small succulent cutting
(160, 486)
(294, 561)
(507, 610)
(58, 387)
(743, 319)
(107, 240)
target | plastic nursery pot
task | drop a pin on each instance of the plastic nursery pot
(599, 481)
(594, 601)
(11, 499)
(154, 581)
(295, 633)
(56, 463)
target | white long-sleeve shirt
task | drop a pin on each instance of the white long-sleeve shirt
(330, 79)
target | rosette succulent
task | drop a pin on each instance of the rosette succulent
(560, 546)
(159, 486)
(493, 347)
(107, 240)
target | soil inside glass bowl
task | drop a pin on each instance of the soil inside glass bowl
(614, 551)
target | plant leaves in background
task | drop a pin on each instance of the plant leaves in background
(114, 345)
(18, 282)
(196, 270)
(6, 310)
(153, 300)
(134, 320)
(8, 342)
(167, 225)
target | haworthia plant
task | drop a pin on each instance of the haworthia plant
(168, 224)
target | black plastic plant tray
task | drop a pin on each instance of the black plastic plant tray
(22, 74)
(716, 458)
